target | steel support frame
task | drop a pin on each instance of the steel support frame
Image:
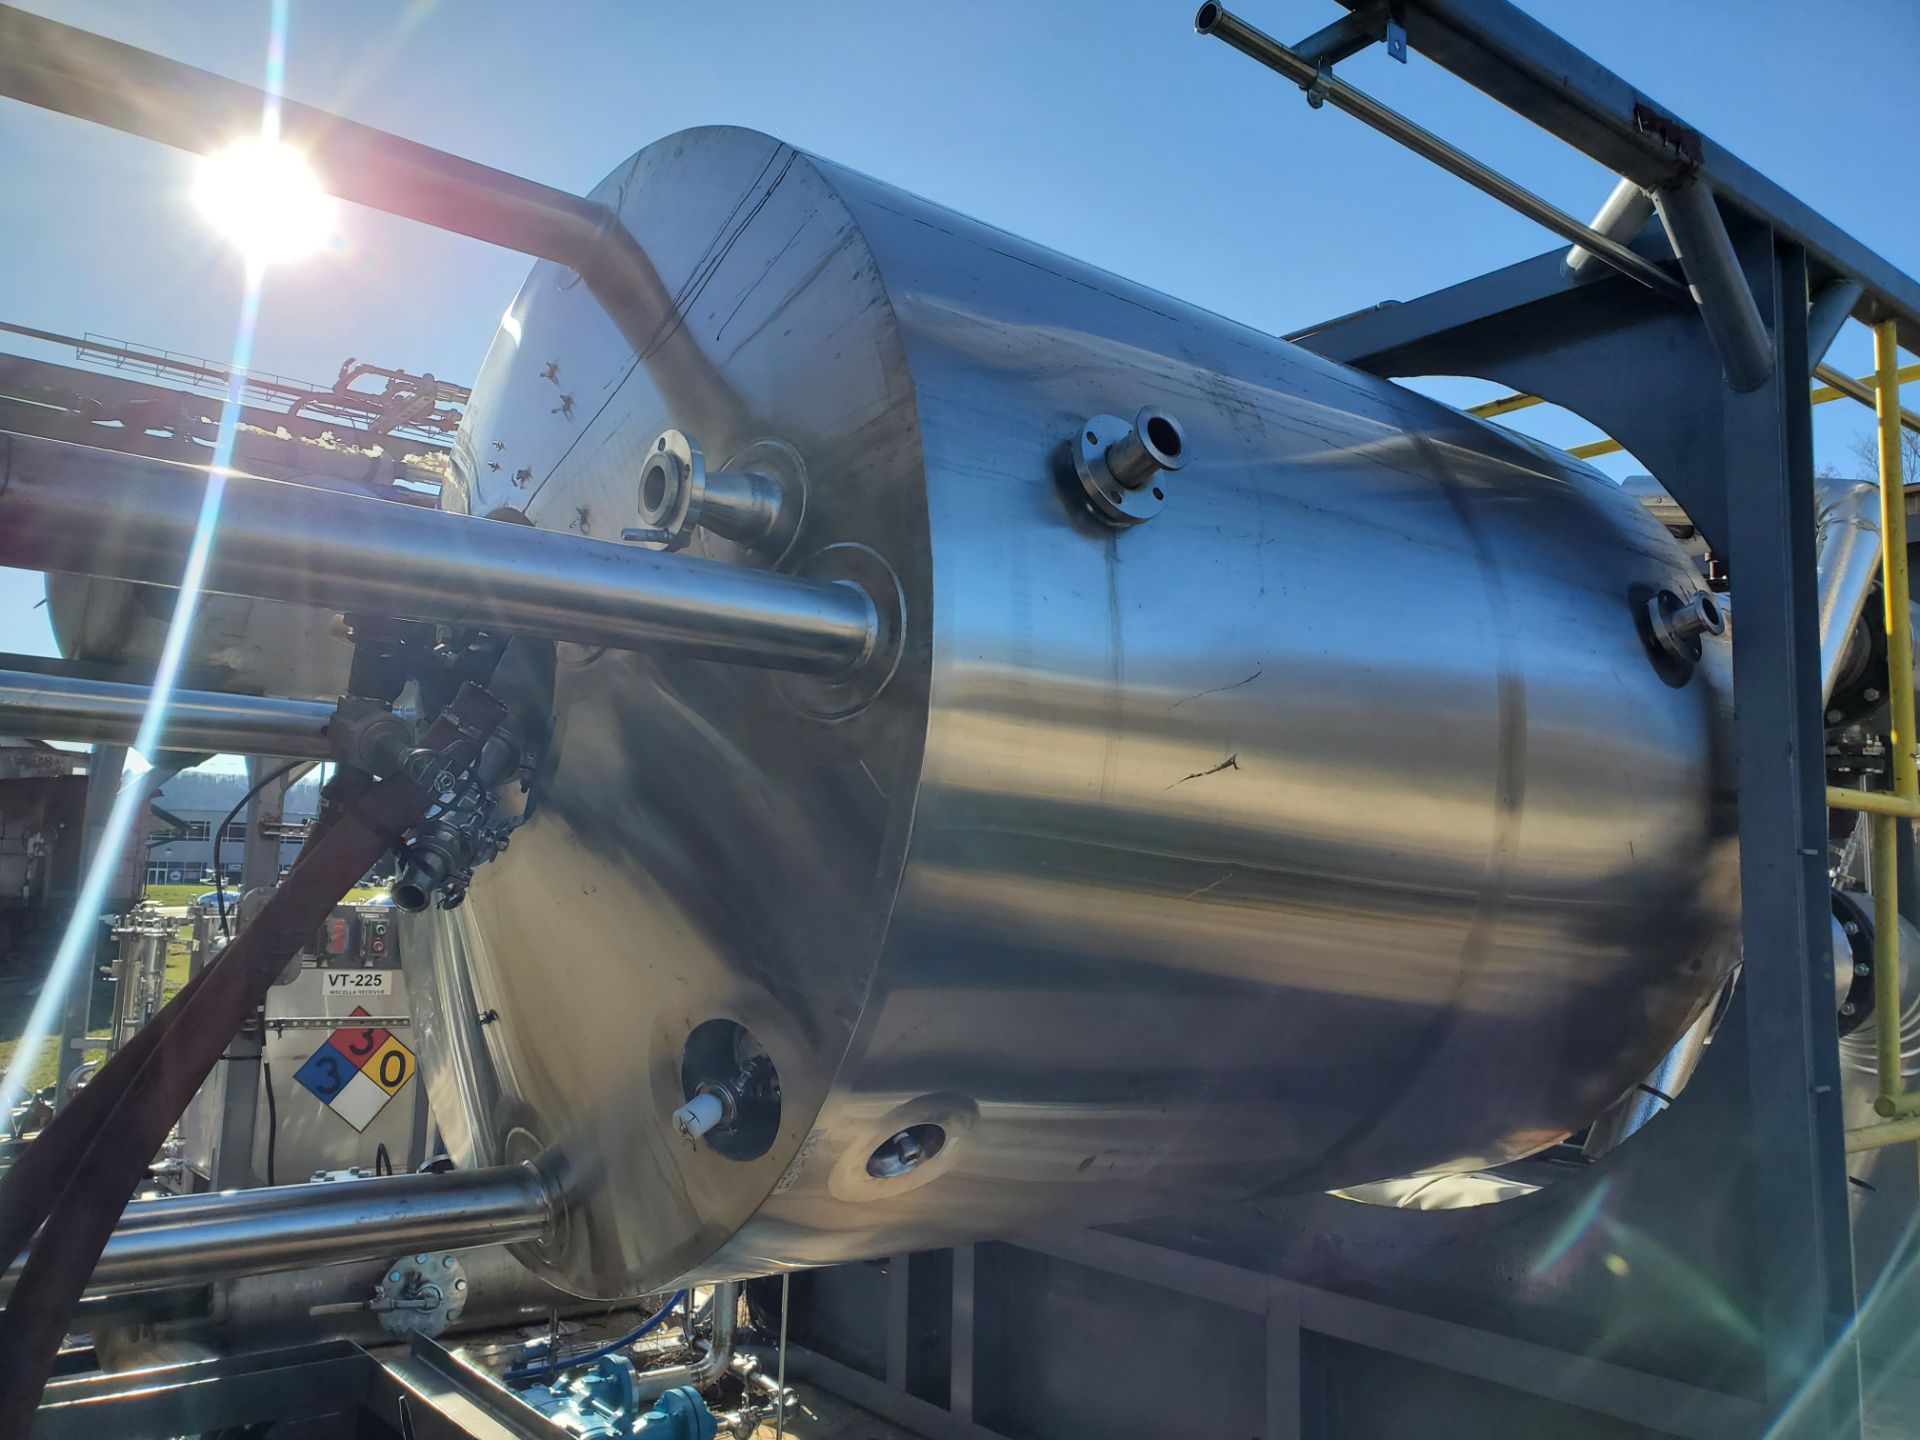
(1289, 1317)
(1741, 464)
(1508, 1316)
(1498, 48)
(332, 1388)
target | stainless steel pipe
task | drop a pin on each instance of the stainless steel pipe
(650, 1385)
(60, 707)
(1826, 313)
(1623, 215)
(1699, 237)
(1322, 86)
(90, 77)
(289, 1307)
(1847, 552)
(97, 512)
(192, 1239)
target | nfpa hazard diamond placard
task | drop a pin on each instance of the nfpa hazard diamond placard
(355, 1072)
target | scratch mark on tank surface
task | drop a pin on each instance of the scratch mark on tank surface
(719, 248)
(1232, 762)
(766, 269)
(1116, 675)
(1211, 884)
(794, 293)
(874, 782)
(1216, 690)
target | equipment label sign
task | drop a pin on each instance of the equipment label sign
(359, 982)
(356, 1072)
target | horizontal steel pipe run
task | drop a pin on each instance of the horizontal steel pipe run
(193, 1239)
(122, 517)
(105, 712)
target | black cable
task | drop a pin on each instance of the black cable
(382, 1161)
(273, 1117)
(219, 875)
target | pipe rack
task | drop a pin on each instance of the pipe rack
(1322, 87)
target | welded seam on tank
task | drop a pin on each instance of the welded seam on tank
(725, 235)
(1509, 798)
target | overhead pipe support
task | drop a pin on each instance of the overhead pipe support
(1699, 237)
(1323, 87)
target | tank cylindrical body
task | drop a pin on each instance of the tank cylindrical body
(1336, 822)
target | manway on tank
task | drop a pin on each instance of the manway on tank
(1262, 778)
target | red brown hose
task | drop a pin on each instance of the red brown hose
(32, 1184)
(153, 1089)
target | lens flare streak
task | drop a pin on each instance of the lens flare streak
(77, 942)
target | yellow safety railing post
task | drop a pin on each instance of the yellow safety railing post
(1839, 387)
(1892, 1100)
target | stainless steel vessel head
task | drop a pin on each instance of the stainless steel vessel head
(1331, 817)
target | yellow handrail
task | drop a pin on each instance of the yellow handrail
(1896, 1104)
(1874, 802)
(1823, 393)
(1862, 386)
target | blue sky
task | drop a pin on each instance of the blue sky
(1106, 130)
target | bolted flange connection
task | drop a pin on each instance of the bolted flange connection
(420, 1295)
(1678, 624)
(1120, 463)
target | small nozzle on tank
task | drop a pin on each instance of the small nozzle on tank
(1119, 462)
(705, 1111)
(1153, 443)
(679, 495)
(1678, 624)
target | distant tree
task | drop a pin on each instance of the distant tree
(1866, 452)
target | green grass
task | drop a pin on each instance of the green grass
(16, 1006)
(187, 894)
(16, 999)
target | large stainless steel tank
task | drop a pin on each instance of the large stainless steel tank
(1336, 823)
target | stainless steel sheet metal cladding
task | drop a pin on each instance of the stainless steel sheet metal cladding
(1339, 823)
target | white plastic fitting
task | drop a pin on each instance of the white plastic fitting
(699, 1115)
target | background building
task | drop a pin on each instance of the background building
(189, 808)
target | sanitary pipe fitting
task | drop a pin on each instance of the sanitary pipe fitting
(756, 508)
(1678, 624)
(1119, 463)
